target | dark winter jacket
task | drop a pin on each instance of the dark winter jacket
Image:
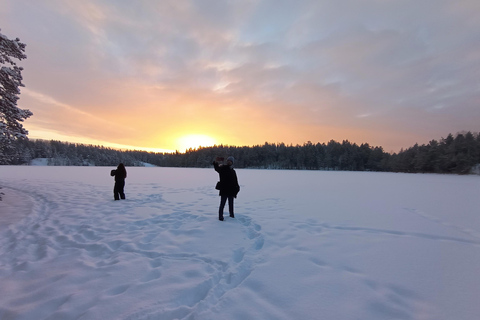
(228, 180)
(120, 174)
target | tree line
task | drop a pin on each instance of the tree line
(459, 154)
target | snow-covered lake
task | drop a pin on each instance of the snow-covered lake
(303, 245)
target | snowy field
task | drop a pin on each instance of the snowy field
(303, 245)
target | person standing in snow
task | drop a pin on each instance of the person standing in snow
(120, 175)
(228, 185)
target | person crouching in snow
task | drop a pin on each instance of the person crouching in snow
(120, 175)
(228, 185)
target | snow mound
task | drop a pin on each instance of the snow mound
(39, 162)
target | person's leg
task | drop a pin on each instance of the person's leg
(223, 200)
(230, 206)
(121, 188)
(115, 192)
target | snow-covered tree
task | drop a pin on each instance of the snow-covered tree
(11, 116)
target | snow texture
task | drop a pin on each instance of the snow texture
(303, 245)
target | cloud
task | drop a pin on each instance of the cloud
(251, 71)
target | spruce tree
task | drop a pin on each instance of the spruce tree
(11, 116)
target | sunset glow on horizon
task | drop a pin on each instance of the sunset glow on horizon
(194, 141)
(174, 75)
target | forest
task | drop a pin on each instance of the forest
(459, 154)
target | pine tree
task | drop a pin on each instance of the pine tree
(11, 116)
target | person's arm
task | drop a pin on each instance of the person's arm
(237, 186)
(216, 166)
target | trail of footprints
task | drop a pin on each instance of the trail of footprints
(223, 276)
(62, 224)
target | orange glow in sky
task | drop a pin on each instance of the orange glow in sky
(168, 75)
(194, 141)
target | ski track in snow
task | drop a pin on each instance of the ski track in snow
(467, 231)
(407, 234)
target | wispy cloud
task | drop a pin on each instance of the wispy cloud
(390, 73)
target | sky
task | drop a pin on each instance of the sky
(170, 75)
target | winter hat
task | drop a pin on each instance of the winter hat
(231, 159)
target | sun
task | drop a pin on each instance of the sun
(194, 141)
